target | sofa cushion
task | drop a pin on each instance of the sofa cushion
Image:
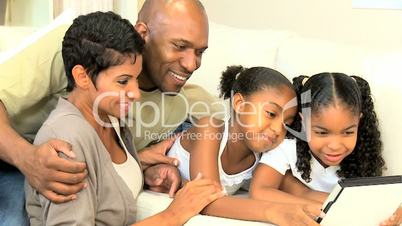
(233, 46)
(306, 56)
(12, 36)
(383, 73)
(28, 36)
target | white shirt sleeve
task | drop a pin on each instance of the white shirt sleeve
(281, 157)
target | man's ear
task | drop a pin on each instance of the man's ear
(142, 29)
(81, 78)
(237, 102)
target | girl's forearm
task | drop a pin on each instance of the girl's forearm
(275, 195)
(317, 196)
(163, 218)
(238, 208)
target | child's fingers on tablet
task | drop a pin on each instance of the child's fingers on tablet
(308, 221)
(313, 211)
(398, 214)
(397, 217)
(394, 220)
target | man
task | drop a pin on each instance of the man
(176, 36)
(32, 81)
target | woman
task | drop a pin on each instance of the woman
(102, 59)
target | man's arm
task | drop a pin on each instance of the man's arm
(56, 178)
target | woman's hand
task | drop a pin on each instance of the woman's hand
(192, 198)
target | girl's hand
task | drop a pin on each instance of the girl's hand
(395, 219)
(163, 178)
(295, 215)
(156, 154)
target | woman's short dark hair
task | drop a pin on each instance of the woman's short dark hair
(97, 41)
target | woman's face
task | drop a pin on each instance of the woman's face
(117, 88)
(262, 116)
(333, 134)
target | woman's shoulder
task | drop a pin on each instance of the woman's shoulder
(69, 126)
(66, 125)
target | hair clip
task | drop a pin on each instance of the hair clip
(237, 75)
(304, 80)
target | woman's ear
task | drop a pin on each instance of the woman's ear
(80, 77)
(237, 102)
(142, 29)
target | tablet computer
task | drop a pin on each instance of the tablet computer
(362, 201)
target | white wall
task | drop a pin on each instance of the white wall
(127, 9)
(333, 20)
(34, 13)
(38, 13)
(325, 19)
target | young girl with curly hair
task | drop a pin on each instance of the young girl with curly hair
(341, 140)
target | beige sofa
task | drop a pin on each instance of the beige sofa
(292, 55)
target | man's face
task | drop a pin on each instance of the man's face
(175, 42)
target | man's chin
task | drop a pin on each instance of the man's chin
(171, 91)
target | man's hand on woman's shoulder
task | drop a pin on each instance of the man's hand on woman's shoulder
(56, 178)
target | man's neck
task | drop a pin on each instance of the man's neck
(145, 83)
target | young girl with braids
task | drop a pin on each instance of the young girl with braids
(228, 151)
(342, 141)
